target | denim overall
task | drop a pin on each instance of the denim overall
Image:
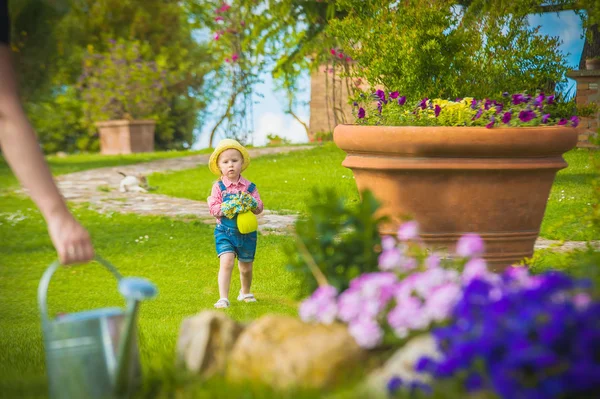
(227, 236)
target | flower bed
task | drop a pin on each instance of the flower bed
(515, 334)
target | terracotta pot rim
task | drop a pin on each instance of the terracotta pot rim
(456, 141)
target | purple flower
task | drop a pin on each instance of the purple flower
(545, 118)
(474, 382)
(437, 111)
(394, 95)
(478, 114)
(402, 100)
(518, 99)
(539, 99)
(505, 94)
(381, 95)
(423, 103)
(574, 121)
(526, 115)
(361, 113)
(506, 117)
(487, 104)
(469, 245)
(561, 122)
(473, 104)
(408, 231)
(499, 108)
(394, 385)
(491, 124)
(550, 99)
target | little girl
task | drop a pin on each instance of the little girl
(229, 160)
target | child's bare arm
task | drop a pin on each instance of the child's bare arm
(214, 202)
(259, 204)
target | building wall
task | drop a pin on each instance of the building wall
(587, 92)
(324, 93)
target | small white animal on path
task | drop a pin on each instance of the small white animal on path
(133, 183)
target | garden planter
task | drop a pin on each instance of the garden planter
(457, 180)
(592, 64)
(125, 136)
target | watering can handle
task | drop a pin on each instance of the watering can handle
(45, 282)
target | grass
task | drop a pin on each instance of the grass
(286, 180)
(79, 162)
(178, 256)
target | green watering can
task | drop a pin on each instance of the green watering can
(94, 354)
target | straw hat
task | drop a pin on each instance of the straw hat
(223, 145)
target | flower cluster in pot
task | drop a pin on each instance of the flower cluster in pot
(520, 109)
(513, 333)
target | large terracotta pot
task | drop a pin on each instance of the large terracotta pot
(125, 136)
(456, 180)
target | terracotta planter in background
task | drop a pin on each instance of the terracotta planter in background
(592, 64)
(457, 180)
(125, 136)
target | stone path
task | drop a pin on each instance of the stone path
(100, 188)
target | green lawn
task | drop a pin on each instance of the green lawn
(78, 162)
(179, 257)
(286, 180)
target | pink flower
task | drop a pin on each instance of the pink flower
(321, 306)
(349, 305)
(388, 242)
(366, 332)
(432, 261)
(390, 259)
(408, 231)
(234, 57)
(475, 268)
(441, 301)
(407, 315)
(469, 245)
(219, 19)
(224, 8)
(581, 300)
(333, 52)
(217, 36)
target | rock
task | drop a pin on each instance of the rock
(284, 352)
(205, 341)
(402, 364)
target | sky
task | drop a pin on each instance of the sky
(269, 110)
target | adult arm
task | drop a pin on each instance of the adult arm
(23, 154)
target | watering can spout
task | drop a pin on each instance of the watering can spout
(134, 290)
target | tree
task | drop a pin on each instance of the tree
(51, 40)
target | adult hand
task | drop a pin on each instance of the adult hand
(71, 240)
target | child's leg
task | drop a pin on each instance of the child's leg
(245, 276)
(226, 267)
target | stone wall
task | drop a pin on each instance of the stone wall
(587, 92)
